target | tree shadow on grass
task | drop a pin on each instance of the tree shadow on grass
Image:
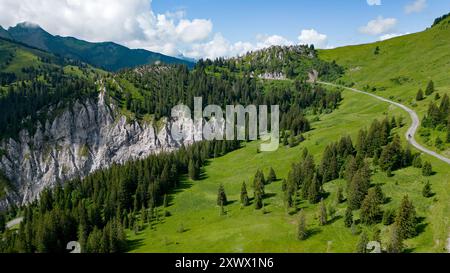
(134, 244)
(335, 219)
(312, 231)
(421, 225)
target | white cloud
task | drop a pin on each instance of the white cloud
(131, 22)
(391, 35)
(219, 46)
(416, 6)
(379, 26)
(311, 36)
(271, 40)
(374, 2)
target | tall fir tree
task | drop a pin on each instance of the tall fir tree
(221, 196)
(302, 231)
(406, 221)
(370, 208)
(362, 243)
(244, 195)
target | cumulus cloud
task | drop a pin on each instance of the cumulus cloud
(132, 22)
(219, 46)
(374, 2)
(379, 26)
(311, 36)
(391, 35)
(416, 6)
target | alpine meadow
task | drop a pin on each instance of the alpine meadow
(94, 153)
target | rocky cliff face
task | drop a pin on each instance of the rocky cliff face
(85, 137)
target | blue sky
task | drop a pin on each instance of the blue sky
(215, 28)
(340, 20)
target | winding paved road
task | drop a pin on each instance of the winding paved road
(14, 222)
(411, 134)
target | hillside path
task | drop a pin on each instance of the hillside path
(14, 222)
(411, 133)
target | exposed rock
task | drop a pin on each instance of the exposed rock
(85, 137)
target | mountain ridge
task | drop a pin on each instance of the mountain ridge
(105, 55)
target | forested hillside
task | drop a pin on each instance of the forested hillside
(31, 79)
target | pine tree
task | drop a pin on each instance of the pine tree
(362, 243)
(244, 195)
(396, 241)
(272, 177)
(427, 169)
(419, 96)
(192, 170)
(376, 236)
(302, 232)
(221, 196)
(323, 217)
(348, 220)
(258, 199)
(379, 194)
(377, 50)
(166, 201)
(314, 190)
(370, 210)
(358, 188)
(426, 191)
(340, 195)
(405, 221)
(430, 88)
(417, 162)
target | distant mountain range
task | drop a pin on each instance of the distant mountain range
(107, 55)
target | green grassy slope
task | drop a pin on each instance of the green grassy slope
(247, 230)
(404, 65)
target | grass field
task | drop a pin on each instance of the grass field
(246, 230)
(403, 65)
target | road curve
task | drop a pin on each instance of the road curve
(411, 133)
(14, 222)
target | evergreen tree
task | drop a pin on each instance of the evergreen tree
(192, 170)
(258, 199)
(166, 201)
(405, 221)
(427, 169)
(370, 210)
(340, 195)
(417, 162)
(430, 88)
(426, 191)
(358, 188)
(302, 232)
(379, 194)
(314, 190)
(244, 195)
(362, 243)
(377, 50)
(419, 96)
(272, 177)
(396, 241)
(221, 196)
(348, 220)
